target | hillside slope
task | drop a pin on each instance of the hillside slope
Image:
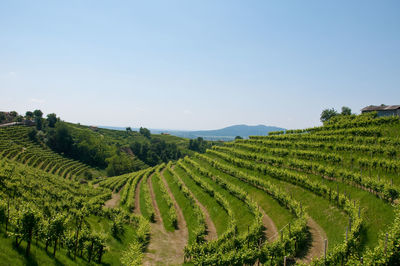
(335, 184)
(264, 199)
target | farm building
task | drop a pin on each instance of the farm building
(383, 110)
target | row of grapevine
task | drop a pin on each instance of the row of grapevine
(340, 251)
(386, 190)
(383, 141)
(148, 206)
(42, 207)
(340, 124)
(251, 252)
(128, 192)
(370, 149)
(201, 229)
(15, 144)
(172, 216)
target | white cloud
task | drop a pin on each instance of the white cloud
(187, 112)
(34, 100)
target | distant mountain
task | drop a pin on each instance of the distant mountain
(225, 134)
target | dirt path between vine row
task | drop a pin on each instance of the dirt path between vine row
(113, 202)
(211, 229)
(137, 197)
(165, 248)
(318, 237)
(271, 232)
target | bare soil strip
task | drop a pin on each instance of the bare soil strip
(271, 232)
(113, 202)
(318, 237)
(165, 248)
(137, 197)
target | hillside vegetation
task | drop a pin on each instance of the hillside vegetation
(110, 152)
(323, 196)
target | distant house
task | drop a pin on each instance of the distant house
(383, 110)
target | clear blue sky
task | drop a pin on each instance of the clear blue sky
(198, 64)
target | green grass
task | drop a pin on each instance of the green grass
(217, 213)
(317, 207)
(279, 214)
(116, 246)
(187, 210)
(162, 204)
(9, 255)
(378, 215)
(241, 211)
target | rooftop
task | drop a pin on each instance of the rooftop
(380, 108)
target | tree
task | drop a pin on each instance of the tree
(38, 119)
(60, 139)
(52, 119)
(238, 137)
(28, 115)
(128, 129)
(3, 211)
(145, 132)
(198, 145)
(13, 114)
(32, 134)
(346, 110)
(28, 223)
(38, 113)
(2, 117)
(18, 118)
(58, 228)
(328, 114)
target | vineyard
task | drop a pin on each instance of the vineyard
(16, 145)
(321, 196)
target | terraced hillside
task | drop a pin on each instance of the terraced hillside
(16, 145)
(322, 196)
(325, 195)
(48, 220)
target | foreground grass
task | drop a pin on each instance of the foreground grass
(10, 255)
